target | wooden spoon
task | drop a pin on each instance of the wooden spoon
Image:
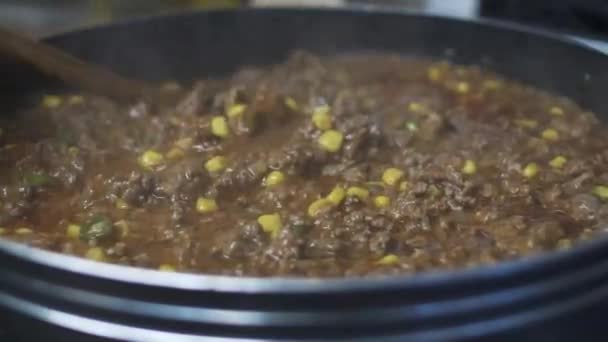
(73, 71)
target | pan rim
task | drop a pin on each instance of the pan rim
(300, 285)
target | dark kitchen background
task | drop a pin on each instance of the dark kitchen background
(43, 17)
(579, 18)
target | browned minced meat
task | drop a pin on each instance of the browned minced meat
(491, 170)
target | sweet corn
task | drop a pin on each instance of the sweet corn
(319, 206)
(530, 171)
(52, 101)
(526, 123)
(382, 201)
(23, 231)
(462, 87)
(219, 127)
(434, 73)
(236, 110)
(76, 100)
(206, 205)
(389, 259)
(271, 224)
(411, 126)
(359, 192)
(336, 196)
(274, 178)
(469, 167)
(175, 153)
(557, 111)
(550, 134)
(558, 162)
(404, 185)
(391, 176)
(121, 204)
(416, 107)
(291, 103)
(151, 159)
(184, 143)
(331, 140)
(215, 164)
(95, 254)
(601, 191)
(491, 84)
(73, 231)
(321, 117)
(166, 268)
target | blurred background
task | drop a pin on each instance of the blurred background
(46, 17)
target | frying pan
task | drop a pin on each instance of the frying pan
(556, 296)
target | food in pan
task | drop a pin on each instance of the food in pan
(351, 165)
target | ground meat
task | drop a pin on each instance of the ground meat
(355, 165)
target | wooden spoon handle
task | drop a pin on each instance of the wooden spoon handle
(73, 71)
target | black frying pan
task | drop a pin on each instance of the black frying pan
(558, 296)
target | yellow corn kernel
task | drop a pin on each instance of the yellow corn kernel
(416, 107)
(491, 84)
(95, 254)
(434, 73)
(321, 117)
(236, 110)
(215, 164)
(526, 123)
(319, 206)
(557, 111)
(123, 228)
(601, 191)
(462, 87)
(175, 153)
(359, 192)
(73, 231)
(322, 109)
(389, 259)
(75, 100)
(411, 126)
(336, 196)
(391, 176)
(404, 185)
(184, 143)
(121, 204)
(531, 170)
(558, 162)
(206, 205)
(550, 134)
(331, 140)
(469, 167)
(382, 201)
(271, 224)
(291, 103)
(151, 159)
(23, 231)
(219, 127)
(274, 178)
(51, 101)
(2, 230)
(166, 268)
